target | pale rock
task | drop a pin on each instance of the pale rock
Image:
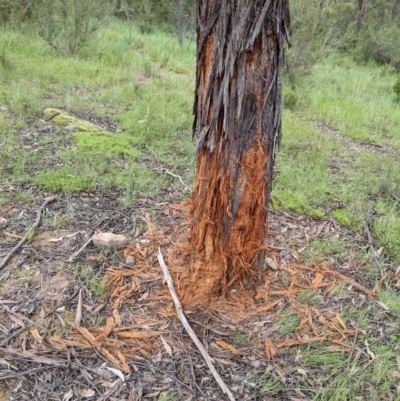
(130, 260)
(110, 240)
(3, 222)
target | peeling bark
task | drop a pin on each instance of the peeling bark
(238, 126)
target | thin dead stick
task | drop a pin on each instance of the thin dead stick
(371, 246)
(30, 230)
(179, 178)
(22, 317)
(78, 317)
(82, 248)
(352, 282)
(187, 327)
(110, 392)
(13, 335)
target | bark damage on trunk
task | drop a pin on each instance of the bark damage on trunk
(238, 126)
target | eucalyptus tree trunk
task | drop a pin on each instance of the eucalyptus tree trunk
(238, 127)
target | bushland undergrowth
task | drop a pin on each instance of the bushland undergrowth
(339, 156)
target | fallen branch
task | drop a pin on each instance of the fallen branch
(352, 283)
(30, 230)
(187, 327)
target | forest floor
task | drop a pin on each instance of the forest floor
(320, 323)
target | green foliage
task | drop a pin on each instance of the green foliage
(378, 38)
(176, 16)
(390, 299)
(396, 88)
(351, 108)
(133, 82)
(13, 12)
(68, 25)
(318, 29)
(168, 396)
(344, 379)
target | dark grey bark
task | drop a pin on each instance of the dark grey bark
(238, 127)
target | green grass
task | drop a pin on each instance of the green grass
(85, 275)
(342, 379)
(355, 103)
(358, 100)
(143, 84)
(307, 297)
(288, 323)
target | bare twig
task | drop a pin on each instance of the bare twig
(352, 282)
(82, 248)
(371, 246)
(22, 317)
(111, 391)
(62, 303)
(30, 230)
(179, 178)
(187, 327)
(353, 347)
(11, 336)
(78, 317)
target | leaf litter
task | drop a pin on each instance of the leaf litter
(142, 339)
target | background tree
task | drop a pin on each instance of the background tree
(238, 124)
(68, 25)
(362, 8)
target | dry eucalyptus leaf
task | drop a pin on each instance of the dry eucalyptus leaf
(86, 392)
(166, 346)
(68, 395)
(117, 372)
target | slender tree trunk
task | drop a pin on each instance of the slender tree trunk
(238, 126)
(362, 9)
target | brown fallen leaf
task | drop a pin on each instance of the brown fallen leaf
(138, 334)
(270, 350)
(17, 320)
(107, 329)
(12, 235)
(166, 346)
(224, 345)
(266, 307)
(36, 335)
(318, 278)
(117, 317)
(151, 395)
(340, 321)
(300, 342)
